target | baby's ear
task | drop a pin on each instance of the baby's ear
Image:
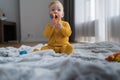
(62, 14)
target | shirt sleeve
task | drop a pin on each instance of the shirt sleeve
(48, 31)
(66, 30)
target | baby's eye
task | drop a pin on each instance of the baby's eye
(59, 9)
(53, 9)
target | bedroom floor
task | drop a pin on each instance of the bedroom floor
(16, 44)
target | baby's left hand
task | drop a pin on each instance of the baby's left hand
(59, 26)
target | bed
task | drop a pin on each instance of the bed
(87, 62)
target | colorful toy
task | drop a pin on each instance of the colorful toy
(23, 52)
(114, 57)
(36, 49)
(53, 16)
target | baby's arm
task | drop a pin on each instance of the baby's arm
(48, 31)
(66, 30)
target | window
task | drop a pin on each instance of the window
(98, 17)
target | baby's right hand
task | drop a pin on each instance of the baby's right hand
(53, 23)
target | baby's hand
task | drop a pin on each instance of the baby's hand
(59, 26)
(53, 23)
(56, 24)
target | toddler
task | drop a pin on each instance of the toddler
(58, 31)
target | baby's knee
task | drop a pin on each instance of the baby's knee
(68, 49)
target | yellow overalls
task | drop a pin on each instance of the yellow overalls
(58, 39)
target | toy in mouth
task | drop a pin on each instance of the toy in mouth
(53, 16)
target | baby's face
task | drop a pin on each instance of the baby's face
(57, 9)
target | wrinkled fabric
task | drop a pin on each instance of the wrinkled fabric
(83, 64)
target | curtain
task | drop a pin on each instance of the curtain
(97, 20)
(69, 16)
(113, 20)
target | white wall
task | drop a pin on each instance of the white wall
(34, 17)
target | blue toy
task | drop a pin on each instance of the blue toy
(53, 16)
(23, 52)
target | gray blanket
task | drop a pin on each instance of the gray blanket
(87, 62)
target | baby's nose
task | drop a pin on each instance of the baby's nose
(55, 11)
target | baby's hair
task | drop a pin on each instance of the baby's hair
(54, 2)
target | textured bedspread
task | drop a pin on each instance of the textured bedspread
(86, 63)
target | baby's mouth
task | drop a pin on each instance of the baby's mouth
(53, 16)
(56, 16)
